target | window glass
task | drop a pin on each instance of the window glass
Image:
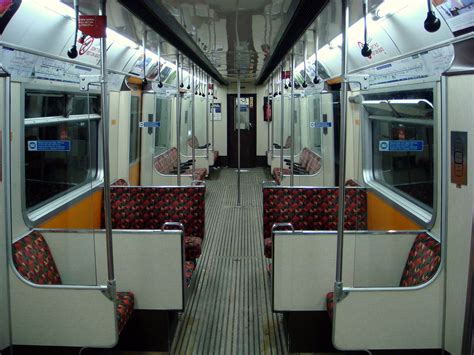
(71, 160)
(52, 173)
(134, 136)
(163, 111)
(403, 147)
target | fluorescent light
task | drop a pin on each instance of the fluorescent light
(118, 38)
(57, 6)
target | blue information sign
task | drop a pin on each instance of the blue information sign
(49, 146)
(401, 146)
(149, 124)
(320, 124)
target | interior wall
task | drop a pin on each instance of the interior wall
(460, 204)
(4, 304)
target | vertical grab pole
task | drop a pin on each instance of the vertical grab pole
(238, 137)
(207, 117)
(282, 120)
(268, 122)
(105, 138)
(193, 96)
(342, 156)
(212, 112)
(178, 120)
(292, 117)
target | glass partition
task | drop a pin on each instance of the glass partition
(163, 131)
(186, 125)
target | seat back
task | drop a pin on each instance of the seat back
(304, 157)
(313, 208)
(193, 142)
(150, 207)
(34, 261)
(166, 162)
(314, 164)
(422, 262)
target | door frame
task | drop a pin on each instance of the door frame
(231, 148)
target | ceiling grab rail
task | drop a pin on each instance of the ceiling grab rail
(111, 284)
(292, 117)
(338, 286)
(178, 117)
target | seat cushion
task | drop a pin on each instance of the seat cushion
(330, 304)
(189, 268)
(34, 261)
(277, 174)
(267, 247)
(192, 247)
(200, 174)
(422, 262)
(125, 304)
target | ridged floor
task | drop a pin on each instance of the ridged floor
(229, 311)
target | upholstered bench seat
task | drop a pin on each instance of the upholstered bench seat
(34, 261)
(192, 247)
(125, 305)
(167, 163)
(421, 265)
(189, 268)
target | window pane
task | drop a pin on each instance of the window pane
(44, 105)
(134, 119)
(162, 116)
(49, 174)
(409, 172)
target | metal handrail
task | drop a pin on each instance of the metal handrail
(173, 224)
(281, 225)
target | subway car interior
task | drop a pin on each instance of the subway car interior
(236, 177)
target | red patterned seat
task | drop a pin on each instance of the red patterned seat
(422, 263)
(309, 161)
(167, 162)
(216, 155)
(120, 182)
(125, 305)
(34, 261)
(312, 209)
(189, 267)
(192, 248)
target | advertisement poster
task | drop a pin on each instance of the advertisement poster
(459, 14)
(217, 111)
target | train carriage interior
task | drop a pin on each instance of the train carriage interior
(236, 177)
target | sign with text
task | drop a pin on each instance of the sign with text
(93, 25)
(401, 146)
(49, 146)
(149, 124)
(320, 124)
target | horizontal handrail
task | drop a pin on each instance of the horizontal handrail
(282, 225)
(173, 224)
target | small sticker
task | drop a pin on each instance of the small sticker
(49, 146)
(320, 124)
(401, 146)
(114, 122)
(149, 124)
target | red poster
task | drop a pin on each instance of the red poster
(285, 74)
(7, 10)
(94, 26)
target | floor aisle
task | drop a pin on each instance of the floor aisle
(229, 311)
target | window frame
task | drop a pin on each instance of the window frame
(35, 215)
(132, 160)
(407, 204)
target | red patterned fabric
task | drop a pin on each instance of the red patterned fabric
(34, 261)
(167, 162)
(192, 248)
(199, 173)
(125, 305)
(151, 207)
(267, 247)
(423, 261)
(312, 209)
(330, 304)
(120, 182)
(189, 267)
(308, 160)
